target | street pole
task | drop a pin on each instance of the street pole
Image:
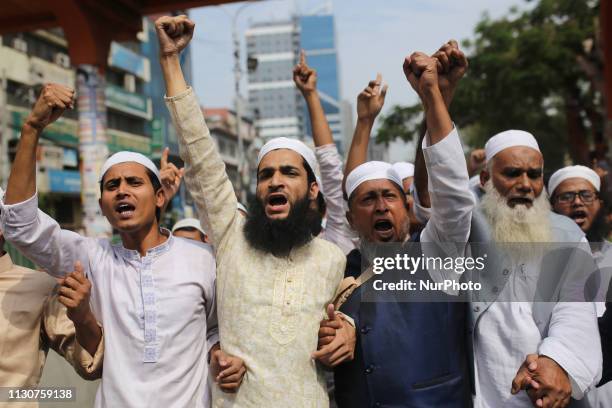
(237, 101)
(238, 107)
(5, 166)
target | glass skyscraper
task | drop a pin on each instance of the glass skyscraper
(275, 102)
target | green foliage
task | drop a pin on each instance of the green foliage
(525, 74)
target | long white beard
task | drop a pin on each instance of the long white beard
(519, 224)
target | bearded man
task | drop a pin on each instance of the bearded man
(574, 192)
(407, 353)
(560, 339)
(274, 278)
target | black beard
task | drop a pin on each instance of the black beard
(599, 229)
(279, 237)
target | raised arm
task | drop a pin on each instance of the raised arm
(205, 174)
(452, 65)
(305, 79)
(35, 234)
(337, 229)
(369, 103)
(452, 202)
(52, 102)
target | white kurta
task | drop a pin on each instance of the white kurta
(508, 331)
(269, 308)
(337, 229)
(157, 311)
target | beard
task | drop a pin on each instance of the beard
(599, 229)
(520, 224)
(279, 237)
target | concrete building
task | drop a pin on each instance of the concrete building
(222, 125)
(136, 116)
(273, 98)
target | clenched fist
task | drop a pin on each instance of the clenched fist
(173, 33)
(421, 71)
(51, 103)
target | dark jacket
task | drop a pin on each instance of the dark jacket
(407, 354)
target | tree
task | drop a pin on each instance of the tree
(539, 70)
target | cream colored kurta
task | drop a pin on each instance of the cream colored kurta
(269, 308)
(31, 321)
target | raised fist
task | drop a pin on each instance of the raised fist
(452, 65)
(421, 71)
(51, 103)
(305, 78)
(173, 33)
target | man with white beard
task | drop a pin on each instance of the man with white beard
(565, 338)
(559, 342)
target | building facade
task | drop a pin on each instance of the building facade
(275, 102)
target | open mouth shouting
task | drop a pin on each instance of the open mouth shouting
(514, 201)
(277, 203)
(383, 229)
(579, 217)
(125, 210)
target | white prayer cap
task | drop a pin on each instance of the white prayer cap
(373, 170)
(509, 138)
(568, 172)
(124, 157)
(188, 223)
(404, 169)
(241, 207)
(291, 144)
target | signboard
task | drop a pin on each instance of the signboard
(70, 158)
(64, 181)
(127, 60)
(122, 100)
(118, 141)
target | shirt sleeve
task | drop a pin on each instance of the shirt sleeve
(452, 202)
(60, 335)
(212, 326)
(573, 342)
(448, 228)
(205, 175)
(337, 229)
(40, 238)
(573, 339)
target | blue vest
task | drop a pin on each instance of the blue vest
(407, 354)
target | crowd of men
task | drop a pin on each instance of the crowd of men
(254, 308)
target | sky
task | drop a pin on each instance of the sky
(372, 36)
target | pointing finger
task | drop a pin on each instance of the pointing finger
(164, 158)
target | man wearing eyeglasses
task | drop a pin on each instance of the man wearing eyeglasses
(574, 192)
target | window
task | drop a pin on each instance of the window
(125, 123)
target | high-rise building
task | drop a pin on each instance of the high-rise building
(275, 103)
(273, 98)
(318, 40)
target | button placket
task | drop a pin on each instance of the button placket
(149, 304)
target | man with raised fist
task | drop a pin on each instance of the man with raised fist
(274, 278)
(153, 294)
